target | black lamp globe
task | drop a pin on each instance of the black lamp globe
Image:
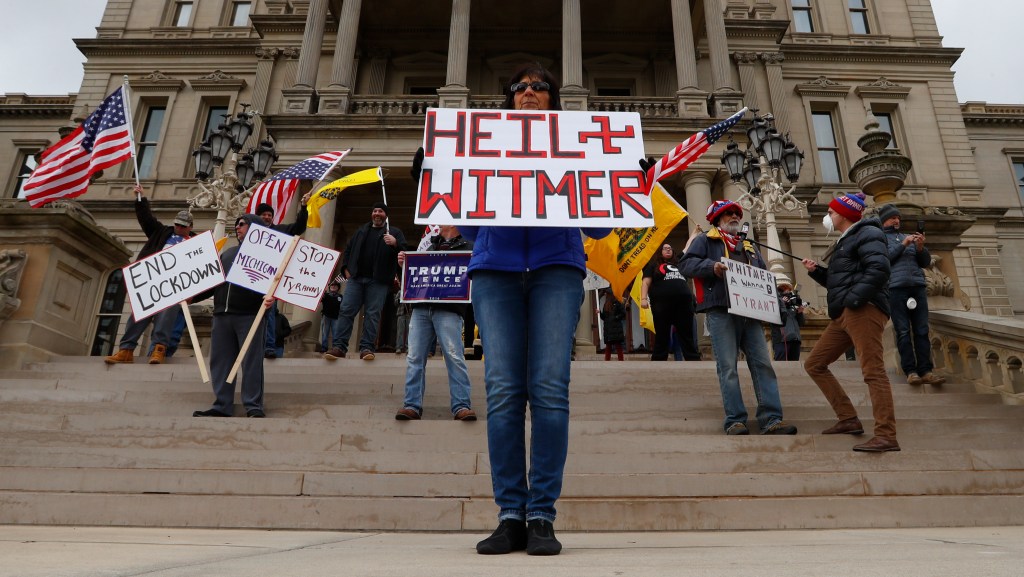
(204, 161)
(733, 158)
(263, 158)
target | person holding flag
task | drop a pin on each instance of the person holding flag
(276, 193)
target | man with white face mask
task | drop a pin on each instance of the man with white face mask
(857, 279)
(730, 333)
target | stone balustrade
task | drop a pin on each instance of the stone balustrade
(645, 107)
(393, 105)
(401, 105)
(983, 349)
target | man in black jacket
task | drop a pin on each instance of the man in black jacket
(370, 263)
(857, 279)
(158, 237)
(234, 311)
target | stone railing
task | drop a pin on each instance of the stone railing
(645, 107)
(982, 349)
(393, 105)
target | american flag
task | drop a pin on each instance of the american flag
(278, 190)
(101, 141)
(689, 150)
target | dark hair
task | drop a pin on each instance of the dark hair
(531, 70)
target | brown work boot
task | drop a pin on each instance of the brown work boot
(932, 379)
(126, 356)
(158, 356)
(851, 426)
(878, 445)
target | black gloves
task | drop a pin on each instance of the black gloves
(417, 165)
(647, 163)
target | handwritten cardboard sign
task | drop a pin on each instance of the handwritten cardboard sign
(307, 274)
(752, 292)
(438, 276)
(532, 168)
(172, 275)
(258, 258)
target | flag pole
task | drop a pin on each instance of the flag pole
(384, 193)
(131, 133)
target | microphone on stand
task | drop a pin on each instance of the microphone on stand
(744, 231)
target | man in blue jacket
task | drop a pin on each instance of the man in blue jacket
(731, 333)
(908, 298)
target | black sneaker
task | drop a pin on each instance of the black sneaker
(508, 537)
(255, 414)
(209, 413)
(540, 538)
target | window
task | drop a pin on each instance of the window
(182, 14)
(148, 141)
(215, 116)
(28, 164)
(240, 13)
(828, 149)
(802, 16)
(859, 16)
(1018, 171)
(110, 315)
(885, 125)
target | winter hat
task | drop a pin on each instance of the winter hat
(380, 205)
(887, 211)
(264, 207)
(720, 206)
(849, 206)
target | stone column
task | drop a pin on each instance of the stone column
(698, 197)
(726, 99)
(776, 89)
(299, 98)
(335, 98)
(691, 101)
(573, 94)
(747, 63)
(455, 94)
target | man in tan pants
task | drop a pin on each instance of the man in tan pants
(857, 279)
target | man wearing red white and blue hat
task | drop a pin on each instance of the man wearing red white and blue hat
(731, 333)
(857, 279)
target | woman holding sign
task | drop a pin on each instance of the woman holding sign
(527, 293)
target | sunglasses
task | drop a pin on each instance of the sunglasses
(536, 86)
(732, 212)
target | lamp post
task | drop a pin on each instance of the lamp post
(758, 172)
(224, 187)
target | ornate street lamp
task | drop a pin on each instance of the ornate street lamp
(758, 172)
(226, 188)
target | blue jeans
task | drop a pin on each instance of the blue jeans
(358, 292)
(271, 340)
(328, 328)
(528, 323)
(731, 334)
(911, 328)
(425, 322)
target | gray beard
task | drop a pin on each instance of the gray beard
(732, 228)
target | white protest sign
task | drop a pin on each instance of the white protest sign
(306, 275)
(532, 168)
(752, 292)
(594, 281)
(170, 276)
(259, 258)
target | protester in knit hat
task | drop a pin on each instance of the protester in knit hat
(381, 206)
(849, 206)
(719, 207)
(887, 211)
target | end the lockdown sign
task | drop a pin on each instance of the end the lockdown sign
(170, 276)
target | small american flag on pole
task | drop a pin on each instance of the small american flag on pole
(101, 141)
(278, 190)
(689, 150)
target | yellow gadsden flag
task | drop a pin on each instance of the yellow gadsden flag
(621, 255)
(332, 190)
(646, 316)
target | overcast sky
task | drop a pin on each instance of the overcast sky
(41, 59)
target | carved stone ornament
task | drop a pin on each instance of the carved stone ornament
(156, 76)
(773, 57)
(745, 57)
(937, 282)
(73, 207)
(217, 76)
(12, 265)
(823, 86)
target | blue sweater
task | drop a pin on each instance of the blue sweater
(521, 249)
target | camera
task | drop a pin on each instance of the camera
(792, 300)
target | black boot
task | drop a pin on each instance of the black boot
(540, 538)
(509, 536)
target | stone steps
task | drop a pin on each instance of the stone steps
(85, 443)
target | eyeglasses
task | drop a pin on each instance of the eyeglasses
(732, 212)
(536, 86)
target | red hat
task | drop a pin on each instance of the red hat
(719, 206)
(849, 206)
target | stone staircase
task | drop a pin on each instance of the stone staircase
(86, 444)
